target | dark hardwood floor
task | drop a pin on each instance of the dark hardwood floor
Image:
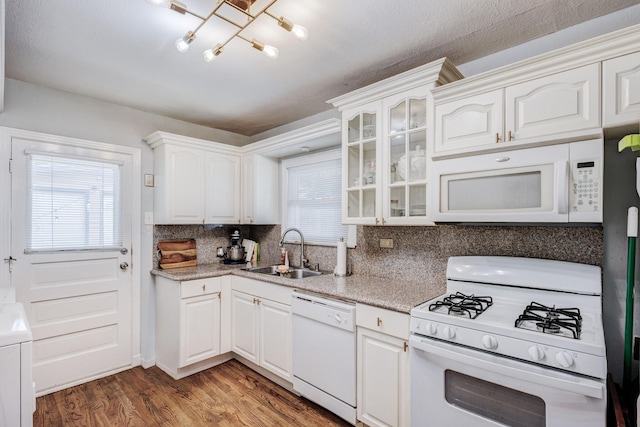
(226, 395)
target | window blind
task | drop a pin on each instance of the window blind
(73, 203)
(314, 203)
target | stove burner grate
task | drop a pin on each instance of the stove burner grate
(551, 320)
(461, 304)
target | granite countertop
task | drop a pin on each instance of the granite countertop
(399, 296)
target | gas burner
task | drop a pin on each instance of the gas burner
(460, 304)
(551, 320)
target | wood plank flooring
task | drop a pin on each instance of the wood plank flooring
(226, 395)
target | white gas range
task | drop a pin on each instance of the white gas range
(511, 336)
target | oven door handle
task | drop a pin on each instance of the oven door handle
(512, 368)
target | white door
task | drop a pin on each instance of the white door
(71, 238)
(275, 338)
(383, 386)
(244, 326)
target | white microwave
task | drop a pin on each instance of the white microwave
(556, 183)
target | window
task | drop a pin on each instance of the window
(311, 189)
(74, 203)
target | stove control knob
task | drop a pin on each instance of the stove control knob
(536, 353)
(431, 328)
(489, 342)
(564, 359)
(448, 332)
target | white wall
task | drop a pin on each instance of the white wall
(45, 110)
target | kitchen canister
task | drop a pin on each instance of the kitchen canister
(341, 261)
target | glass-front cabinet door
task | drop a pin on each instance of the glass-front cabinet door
(405, 153)
(361, 131)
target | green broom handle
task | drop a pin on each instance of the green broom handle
(632, 233)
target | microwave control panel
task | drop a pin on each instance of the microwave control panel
(585, 189)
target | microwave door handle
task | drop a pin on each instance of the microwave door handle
(562, 178)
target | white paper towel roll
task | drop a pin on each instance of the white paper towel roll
(341, 261)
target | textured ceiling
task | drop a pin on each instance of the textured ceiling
(122, 51)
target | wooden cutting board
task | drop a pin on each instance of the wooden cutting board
(177, 253)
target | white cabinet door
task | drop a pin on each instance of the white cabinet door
(562, 102)
(10, 385)
(275, 338)
(260, 189)
(403, 171)
(382, 379)
(244, 326)
(361, 132)
(222, 188)
(470, 122)
(180, 186)
(199, 328)
(621, 90)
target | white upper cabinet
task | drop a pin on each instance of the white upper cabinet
(385, 134)
(196, 182)
(471, 122)
(621, 90)
(559, 107)
(553, 105)
(222, 188)
(260, 184)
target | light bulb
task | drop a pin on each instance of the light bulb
(182, 44)
(208, 55)
(211, 54)
(270, 51)
(159, 2)
(300, 32)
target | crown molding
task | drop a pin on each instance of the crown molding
(590, 51)
(438, 72)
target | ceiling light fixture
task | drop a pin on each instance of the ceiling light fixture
(242, 6)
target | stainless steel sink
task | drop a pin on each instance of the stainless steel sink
(294, 273)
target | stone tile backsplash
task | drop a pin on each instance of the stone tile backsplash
(417, 251)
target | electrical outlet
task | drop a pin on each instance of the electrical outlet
(386, 243)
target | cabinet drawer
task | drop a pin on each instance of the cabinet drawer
(386, 321)
(193, 288)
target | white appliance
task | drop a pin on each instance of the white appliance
(324, 352)
(514, 341)
(557, 183)
(17, 391)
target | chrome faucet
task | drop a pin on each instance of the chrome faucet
(303, 260)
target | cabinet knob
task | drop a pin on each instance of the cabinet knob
(511, 136)
(204, 287)
(379, 321)
(497, 137)
(405, 346)
(383, 221)
(377, 221)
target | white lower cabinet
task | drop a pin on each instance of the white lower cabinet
(261, 328)
(188, 317)
(382, 367)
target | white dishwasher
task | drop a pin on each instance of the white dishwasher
(324, 352)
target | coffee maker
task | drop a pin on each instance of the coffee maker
(235, 253)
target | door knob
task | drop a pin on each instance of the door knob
(124, 266)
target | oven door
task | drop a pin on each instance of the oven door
(457, 386)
